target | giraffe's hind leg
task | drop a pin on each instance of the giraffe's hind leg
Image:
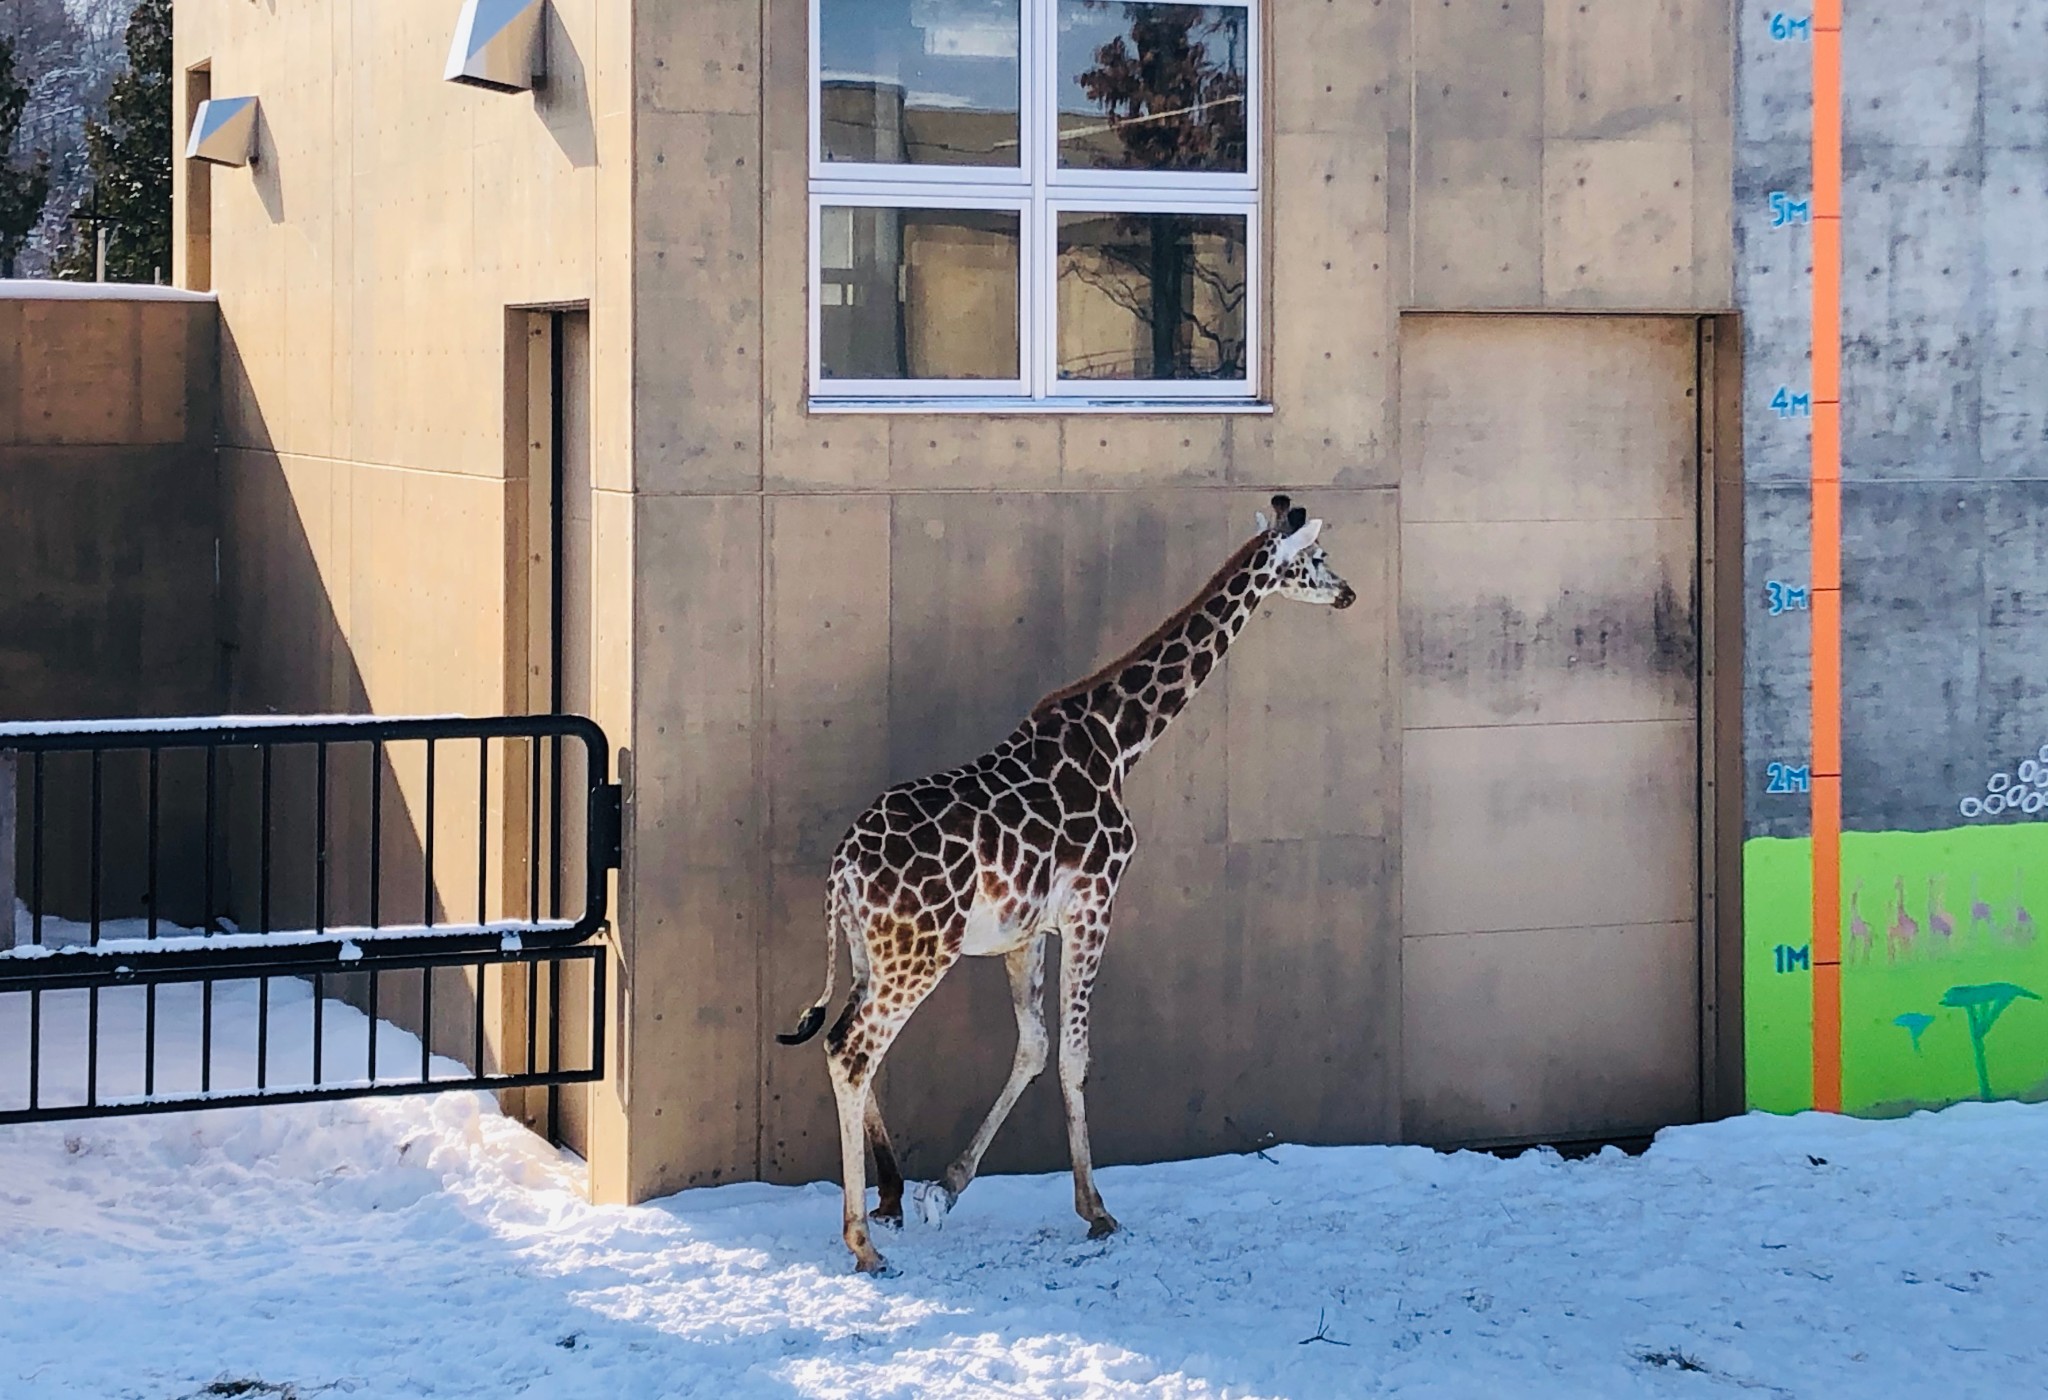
(888, 1176)
(853, 1054)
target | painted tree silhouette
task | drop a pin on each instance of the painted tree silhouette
(1984, 1004)
(1172, 104)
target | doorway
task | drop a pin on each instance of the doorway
(1553, 948)
(554, 582)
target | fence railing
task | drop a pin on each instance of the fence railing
(210, 911)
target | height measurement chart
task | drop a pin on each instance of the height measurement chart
(1825, 578)
(1895, 712)
(1824, 585)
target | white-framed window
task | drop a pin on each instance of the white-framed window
(1021, 204)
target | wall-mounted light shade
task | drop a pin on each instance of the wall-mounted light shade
(498, 45)
(224, 131)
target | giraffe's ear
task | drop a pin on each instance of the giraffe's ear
(1263, 523)
(1301, 539)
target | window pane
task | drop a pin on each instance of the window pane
(1152, 296)
(919, 293)
(1153, 86)
(920, 82)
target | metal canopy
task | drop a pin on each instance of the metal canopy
(224, 131)
(498, 45)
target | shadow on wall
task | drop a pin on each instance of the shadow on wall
(108, 511)
(143, 573)
(563, 103)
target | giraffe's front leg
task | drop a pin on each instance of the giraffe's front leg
(1026, 967)
(1081, 944)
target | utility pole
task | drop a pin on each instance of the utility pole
(89, 214)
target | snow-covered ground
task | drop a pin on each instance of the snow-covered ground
(433, 1248)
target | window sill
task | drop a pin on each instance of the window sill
(1018, 408)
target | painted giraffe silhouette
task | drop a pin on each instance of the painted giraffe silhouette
(1939, 922)
(1860, 939)
(1982, 919)
(1904, 929)
(1028, 840)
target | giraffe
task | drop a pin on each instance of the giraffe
(1029, 840)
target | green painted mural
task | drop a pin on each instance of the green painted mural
(1942, 970)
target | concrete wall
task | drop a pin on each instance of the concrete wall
(1944, 498)
(831, 603)
(109, 508)
(373, 417)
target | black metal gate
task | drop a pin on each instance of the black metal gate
(239, 911)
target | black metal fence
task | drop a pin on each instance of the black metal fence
(238, 911)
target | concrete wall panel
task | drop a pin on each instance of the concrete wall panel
(1479, 1022)
(1617, 216)
(1571, 153)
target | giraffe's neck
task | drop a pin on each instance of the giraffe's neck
(1139, 694)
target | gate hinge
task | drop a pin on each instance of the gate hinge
(608, 825)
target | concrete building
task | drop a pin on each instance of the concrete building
(1449, 276)
(873, 367)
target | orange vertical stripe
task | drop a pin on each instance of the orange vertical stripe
(1827, 313)
(1825, 583)
(1827, 688)
(1827, 121)
(1827, 1038)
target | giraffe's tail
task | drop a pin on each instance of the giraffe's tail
(813, 1019)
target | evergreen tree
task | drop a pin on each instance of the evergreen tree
(23, 187)
(130, 156)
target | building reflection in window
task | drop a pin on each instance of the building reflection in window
(919, 293)
(920, 82)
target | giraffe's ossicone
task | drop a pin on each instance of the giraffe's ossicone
(1029, 840)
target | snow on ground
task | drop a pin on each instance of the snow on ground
(430, 1247)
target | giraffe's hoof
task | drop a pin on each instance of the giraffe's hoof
(888, 1213)
(934, 1201)
(872, 1264)
(1103, 1226)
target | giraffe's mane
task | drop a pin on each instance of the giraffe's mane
(1230, 567)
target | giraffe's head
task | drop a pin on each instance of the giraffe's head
(1305, 572)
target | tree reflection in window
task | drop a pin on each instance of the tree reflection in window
(1152, 296)
(1165, 86)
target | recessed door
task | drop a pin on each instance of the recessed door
(1550, 778)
